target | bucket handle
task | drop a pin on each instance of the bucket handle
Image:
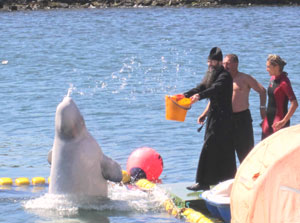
(180, 106)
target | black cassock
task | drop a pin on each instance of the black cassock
(217, 159)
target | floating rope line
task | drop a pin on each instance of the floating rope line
(23, 181)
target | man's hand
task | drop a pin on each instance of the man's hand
(201, 119)
(195, 98)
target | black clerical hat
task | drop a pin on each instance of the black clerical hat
(215, 54)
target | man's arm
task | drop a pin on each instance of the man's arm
(253, 83)
(195, 90)
(223, 81)
(202, 117)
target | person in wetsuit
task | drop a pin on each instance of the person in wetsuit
(280, 92)
(242, 121)
(217, 159)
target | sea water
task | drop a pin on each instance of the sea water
(120, 64)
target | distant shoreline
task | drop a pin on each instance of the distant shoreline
(17, 5)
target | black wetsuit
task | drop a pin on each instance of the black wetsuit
(243, 133)
(217, 159)
(279, 93)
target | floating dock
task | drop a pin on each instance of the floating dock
(183, 197)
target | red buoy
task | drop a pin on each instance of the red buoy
(146, 163)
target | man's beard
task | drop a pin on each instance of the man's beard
(211, 75)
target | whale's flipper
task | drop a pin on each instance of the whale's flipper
(50, 156)
(111, 170)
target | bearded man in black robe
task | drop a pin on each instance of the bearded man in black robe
(217, 159)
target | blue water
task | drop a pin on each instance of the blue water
(122, 63)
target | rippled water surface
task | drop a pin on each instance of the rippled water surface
(122, 63)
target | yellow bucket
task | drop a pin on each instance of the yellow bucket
(175, 111)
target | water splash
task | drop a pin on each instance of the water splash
(120, 199)
(70, 90)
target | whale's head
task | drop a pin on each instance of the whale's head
(69, 122)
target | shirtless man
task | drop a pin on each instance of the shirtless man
(242, 121)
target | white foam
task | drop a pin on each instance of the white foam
(120, 199)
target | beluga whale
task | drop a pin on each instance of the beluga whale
(78, 165)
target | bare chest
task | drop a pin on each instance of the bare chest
(239, 85)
